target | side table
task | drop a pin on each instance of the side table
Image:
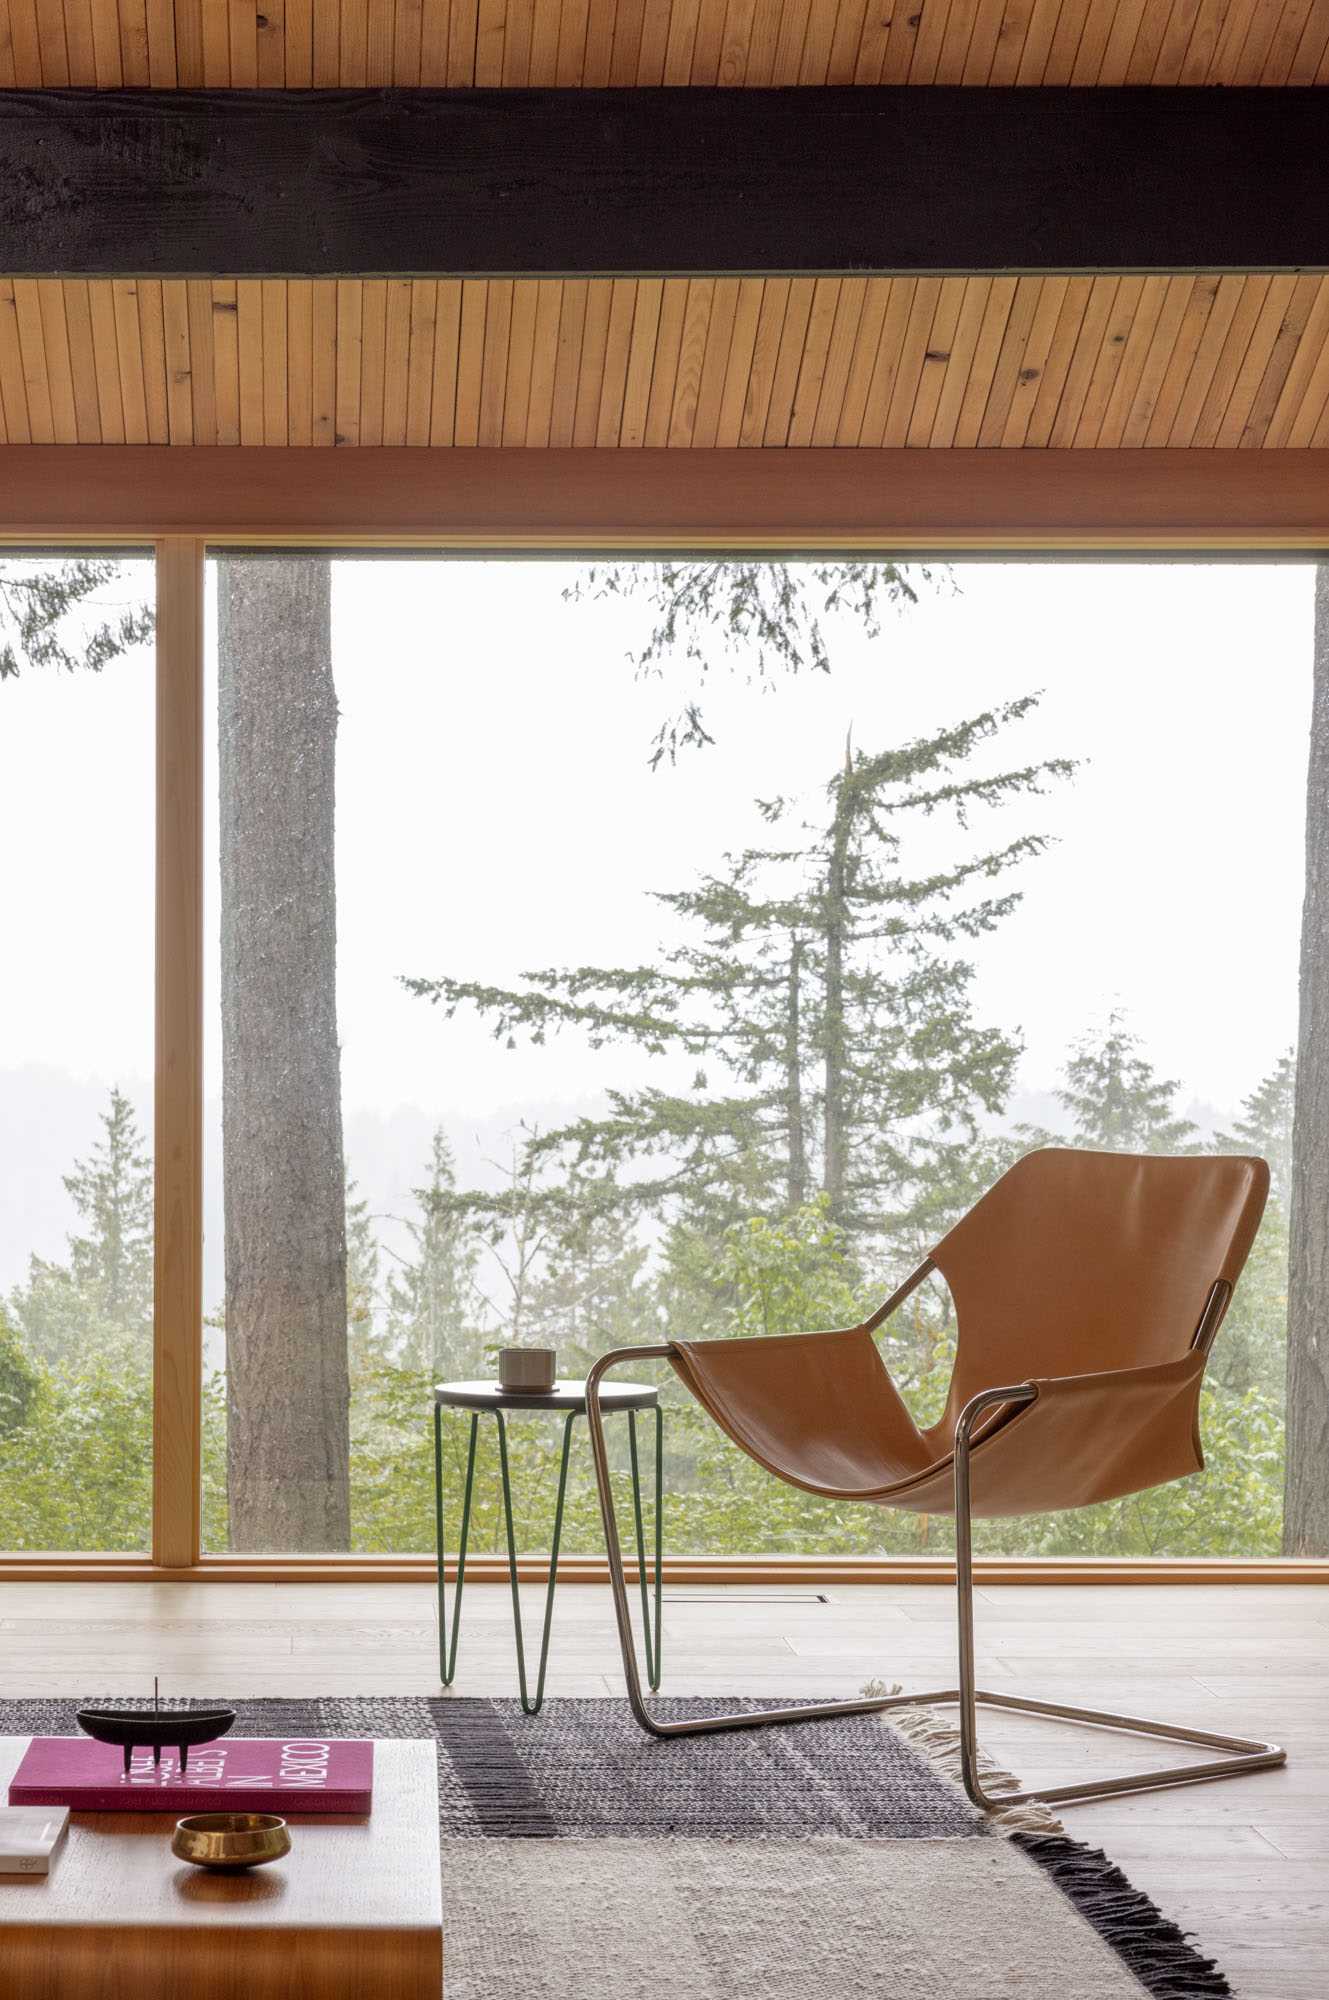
(569, 1398)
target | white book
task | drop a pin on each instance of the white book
(29, 1836)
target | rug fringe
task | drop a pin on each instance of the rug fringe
(1157, 1951)
(939, 1741)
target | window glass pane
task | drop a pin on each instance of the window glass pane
(76, 1052)
(601, 952)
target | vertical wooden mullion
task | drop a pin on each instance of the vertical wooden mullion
(178, 1093)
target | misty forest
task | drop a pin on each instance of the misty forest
(829, 1097)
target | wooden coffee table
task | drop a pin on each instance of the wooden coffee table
(353, 1911)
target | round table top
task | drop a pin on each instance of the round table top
(563, 1396)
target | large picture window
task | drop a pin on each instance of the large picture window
(76, 1052)
(598, 951)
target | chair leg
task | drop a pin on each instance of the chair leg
(1243, 1753)
(702, 1725)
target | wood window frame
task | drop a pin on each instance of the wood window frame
(185, 501)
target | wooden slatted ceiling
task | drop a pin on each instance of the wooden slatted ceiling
(1074, 362)
(248, 44)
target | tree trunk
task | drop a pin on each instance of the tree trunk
(284, 1179)
(1306, 1496)
(834, 1132)
(796, 1184)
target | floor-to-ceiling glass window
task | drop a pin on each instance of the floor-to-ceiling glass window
(600, 951)
(76, 1050)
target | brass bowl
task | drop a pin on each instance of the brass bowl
(230, 1840)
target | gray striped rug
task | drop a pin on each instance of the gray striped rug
(583, 1860)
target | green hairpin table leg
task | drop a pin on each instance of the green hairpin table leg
(651, 1633)
(529, 1706)
(447, 1657)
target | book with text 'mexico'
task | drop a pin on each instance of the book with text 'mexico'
(281, 1774)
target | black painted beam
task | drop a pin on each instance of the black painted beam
(610, 182)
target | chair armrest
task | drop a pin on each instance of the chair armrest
(1079, 1439)
(601, 1367)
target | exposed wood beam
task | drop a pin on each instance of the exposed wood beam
(778, 499)
(615, 182)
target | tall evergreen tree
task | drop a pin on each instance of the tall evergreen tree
(363, 1261)
(593, 1292)
(519, 1224)
(820, 993)
(1252, 1353)
(101, 1299)
(102, 1295)
(763, 617)
(112, 1191)
(1265, 1126)
(433, 1307)
(1117, 1101)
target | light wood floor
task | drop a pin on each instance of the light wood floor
(1243, 1864)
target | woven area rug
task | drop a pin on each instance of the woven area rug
(583, 1860)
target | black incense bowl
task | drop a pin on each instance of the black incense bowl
(155, 1728)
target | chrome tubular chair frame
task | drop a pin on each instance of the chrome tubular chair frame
(1241, 1753)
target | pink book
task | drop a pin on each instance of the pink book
(234, 1774)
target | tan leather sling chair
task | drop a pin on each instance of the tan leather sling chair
(1088, 1288)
